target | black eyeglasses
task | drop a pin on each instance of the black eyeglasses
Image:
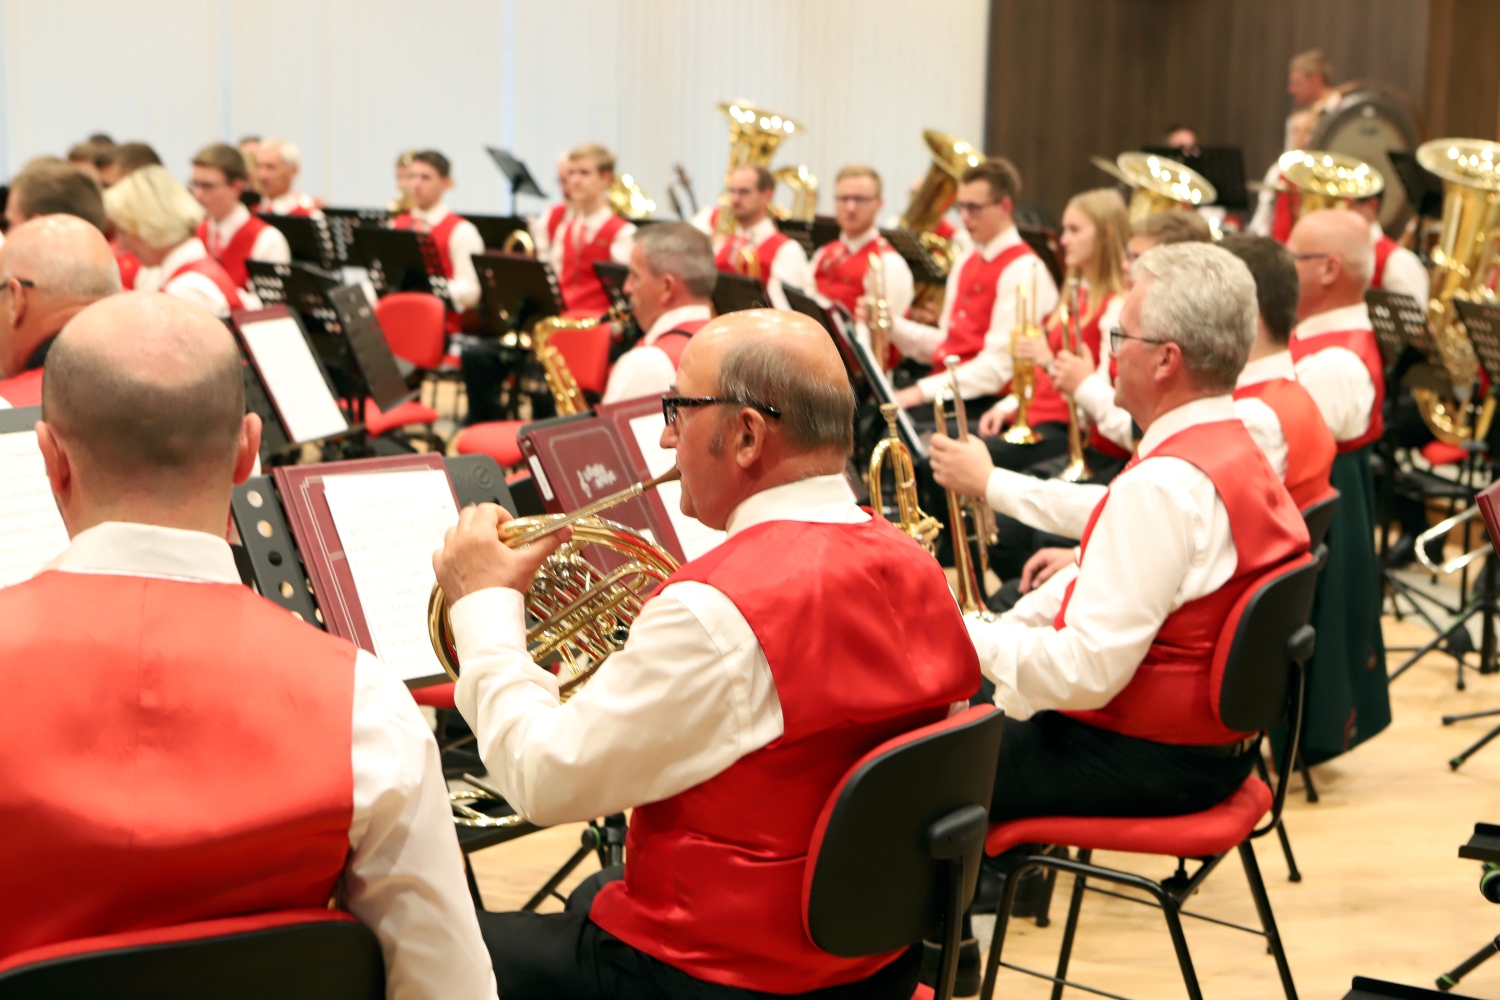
(23, 282)
(1117, 337)
(671, 404)
(974, 207)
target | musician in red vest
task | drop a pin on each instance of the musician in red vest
(1397, 269)
(671, 286)
(748, 686)
(842, 268)
(755, 246)
(51, 268)
(545, 227)
(594, 233)
(229, 232)
(178, 675)
(156, 219)
(277, 163)
(428, 178)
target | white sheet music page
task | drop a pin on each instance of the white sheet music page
(292, 378)
(696, 538)
(31, 530)
(389, 524)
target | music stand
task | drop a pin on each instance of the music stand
(374, 362)
(268, 281)
(34, 533)
(302, 398)
(1043, 242)
(516, 291)
(1424, 189)
(1221, 166)
(1398, 320)
(924, 269)
(307, 237)
(612, 276)
(871, 387)
(736, 292)
(811, 234)
(521, 181)
(344, 222)
(401, 260)
(496, 229)
(1484, 602)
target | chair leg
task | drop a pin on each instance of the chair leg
(952, 932)
(1169, 909)
(1267, 918)
(1293, 875)
(1307, 782)
(997, 940)
(1070, 928)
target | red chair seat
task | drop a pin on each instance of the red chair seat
(435, 695)
(495, 438)
(414, 324)
(399, 416)
(1439, 453)
(1196, 835)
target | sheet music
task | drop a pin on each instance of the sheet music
(293, 379)
(389, 524)
(31, 529)
(696, 538)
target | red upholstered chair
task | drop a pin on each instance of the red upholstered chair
(1439, 453)
(413, 325)
(894, 858)
(1257, 669)
(311, 954)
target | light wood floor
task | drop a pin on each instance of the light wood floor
(1383, 892)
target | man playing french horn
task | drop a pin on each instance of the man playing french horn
(757, 660)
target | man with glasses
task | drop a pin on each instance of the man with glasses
(748, 686)
(755, 247)
(842, 268)
(230, 234)
(50, 269)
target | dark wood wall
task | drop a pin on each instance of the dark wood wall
(1071, 78)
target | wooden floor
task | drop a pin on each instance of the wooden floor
(1383, 892)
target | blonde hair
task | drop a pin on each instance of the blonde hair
(1313, 62)
(150, 203)
(601, 158)
(860, 170)
(1105, 270)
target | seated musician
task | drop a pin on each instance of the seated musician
(156, 220)
(755, 246)
(48, 188)
(87, 155)
(51, 268)
(545, 227)
(229, 232)
(202, 802)
(594, 233)
(277, 163)
(747, 688)
(842, 267)
(428, 178)
(671, 286)
(125, 159)
(1397, 269)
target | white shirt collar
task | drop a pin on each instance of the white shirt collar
(1376, 232)
(1272, 366)
(855, 244)
(432, 216)
(761, 231)
(1009, 238)
(117, 548)
(186, 252)
(283, 204)
(818, 500)
(595, 220)
(231, 224)
(672, 317)
(1206, 410)
(1355, 317)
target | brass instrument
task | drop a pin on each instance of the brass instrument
(1328, 180)
(1442, 528)
(519, 241)
(627, 200)
(1071, 315)
(754, 135)
(804, 188)
(879, 309)
(1464, 260)
(560, 380)
(1158, 184)
(466, 815)
(979, 528)
(934, 196)
(919, 525)
(582, 614)
(1023, 370)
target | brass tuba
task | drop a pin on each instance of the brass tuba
(1328, 180)
(890, 451)
(627, 200)
(1158, 184)
(969, 518)
(934, 196)
(754, 135)
(582, 614)
(804, 187)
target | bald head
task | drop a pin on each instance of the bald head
(1335, 259)
(51, 267)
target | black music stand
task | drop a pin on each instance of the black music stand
(734, 292)
(374, 363)
(871, 388)
(612, 276)
(308, 238)
(401, 260)
(1221, 166)
(266, 399)
(268, 281)
(1424, 189)
(1043, 242)
(516, 291)
(344, 222)
(496, 229)
(811, 234)
(924, 269)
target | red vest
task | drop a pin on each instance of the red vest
(555, 219)
(675, 341)
(439, 234)
(1383, 247)
(974, 303)
(1047, 404)
(118, 779)
(713, 876)
(24, 389)
(1309, 444)
(213, 271)
(233, 255)
(1288, 207)
(1364, 345)
(1173, 694)
(582, 291)
(129, 263)
(730, 257)
(841, 274)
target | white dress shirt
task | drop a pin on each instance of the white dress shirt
(270, 243)
(1335, 377)
(190, 285)
(899, 288)
(1404, 272)
(580, 230)
(1265, 202)
(989, 371)
(404, 876)
(688, 695)
(1163, 539)
(645, 369)
(463, 243)
(290, 202)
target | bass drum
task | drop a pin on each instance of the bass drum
(1368, 122)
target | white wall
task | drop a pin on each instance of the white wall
(354, 82)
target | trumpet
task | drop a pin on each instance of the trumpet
(919, 525)
(1075, 471)
(1023, 377)
(970, 518)
(582, 614)
(880, 314)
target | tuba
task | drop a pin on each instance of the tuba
(1463, 262)
(804, 188)
(1158, 184)
(1070, 316)
(1328, 180)
(1023, 376)
(582, 614)
(970, 519)
(919, 525)
(754, 135)
(627, 200)
(933, 197)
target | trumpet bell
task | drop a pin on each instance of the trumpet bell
(1161, 184)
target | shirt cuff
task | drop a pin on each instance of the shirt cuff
(931, 385)
(489, 621)
(1095, 396)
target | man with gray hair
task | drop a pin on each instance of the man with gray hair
(50, 269)
(671, 286)
(1108, 704)
(277, 163)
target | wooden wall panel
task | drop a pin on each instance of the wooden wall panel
(1070, 78)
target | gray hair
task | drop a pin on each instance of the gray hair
(1201, 298)
(288, 150)
(682, 251)
(815, 413)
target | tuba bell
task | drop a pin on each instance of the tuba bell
(627, 200)
(951, 156)
(754, 136)
(891, 451)
(1158, 184)
(1328, 180)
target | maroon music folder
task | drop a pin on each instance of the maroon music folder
(1489, 508)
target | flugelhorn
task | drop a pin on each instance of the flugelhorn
(890, 452)
(1023, 370)
(583, 614)
(879, 308)
(969, 518)
(1071, 317)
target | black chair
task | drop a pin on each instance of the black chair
(894, 859)
(1258, 663)
(1318, 515)
(289, 955)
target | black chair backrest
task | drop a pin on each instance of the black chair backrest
(324, 960)
(1253, 687)
(1319, 516)
(876, 886)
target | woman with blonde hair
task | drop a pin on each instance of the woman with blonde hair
(155, 218)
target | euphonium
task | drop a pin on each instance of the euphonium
(970, 519)
(1159, 184)
(932, 199)
(1023, 371)
(804, 188)
(520, 242)
(754, 135)
(627, 200)
(879, 308)
(582, 614)
(890, 451)
(1071, 315)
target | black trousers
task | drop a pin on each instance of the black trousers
(1053, 765)
(566, 956)
(486, 367)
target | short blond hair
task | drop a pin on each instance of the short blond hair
(1313, 62)
(861, 170)
(152, 204)
(602, 158)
